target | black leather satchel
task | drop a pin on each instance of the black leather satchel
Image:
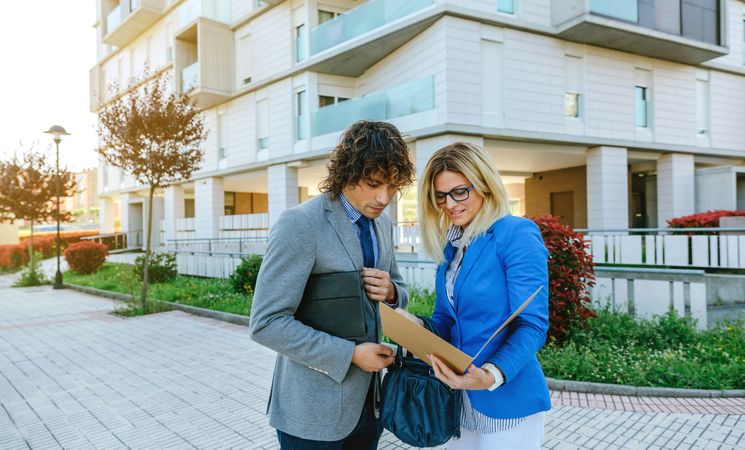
(418, 408)
(332, 302)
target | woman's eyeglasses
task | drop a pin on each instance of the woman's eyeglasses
(457, 194)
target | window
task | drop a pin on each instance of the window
(573, 72)
(300, 108)
(169, 43)
(325, 16)
(262, 113)
(221, 137)
(703, 104)
(743, 42)
(506, 6)
(327, 100)
(300, 43)
(642, 106)
(571, 104)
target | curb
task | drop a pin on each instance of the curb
(235, 319)
(639, 391)
(553, 384)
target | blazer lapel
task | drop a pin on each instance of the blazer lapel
(384, 253)
(344, 229)
(440, 278)
(469, 260)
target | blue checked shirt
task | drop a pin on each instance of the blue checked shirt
(353, 216)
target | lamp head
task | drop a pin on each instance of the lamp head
(57, 131)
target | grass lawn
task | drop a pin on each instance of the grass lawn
(210, 293)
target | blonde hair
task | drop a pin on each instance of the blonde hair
(474, 163)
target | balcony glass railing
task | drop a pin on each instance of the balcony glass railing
(623, 10)
(190, 77)
(114, 19)
(218, 10)
(358, 21)
(413, 97)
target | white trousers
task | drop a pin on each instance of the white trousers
(528, 435)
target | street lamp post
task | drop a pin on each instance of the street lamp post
(57, 131)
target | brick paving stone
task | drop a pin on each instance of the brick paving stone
(74, 376)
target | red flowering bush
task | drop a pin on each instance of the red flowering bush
(708, 219)
(13, 256)
(570, 275)
(86, 257)
(46, 243)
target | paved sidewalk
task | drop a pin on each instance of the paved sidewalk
(74, 376)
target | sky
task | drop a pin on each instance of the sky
(47, 49)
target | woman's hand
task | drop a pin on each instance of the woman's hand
(474, 379)
(410, 316)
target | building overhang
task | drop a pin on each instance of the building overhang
(627, 37)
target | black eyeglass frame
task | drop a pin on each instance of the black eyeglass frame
(465, 191)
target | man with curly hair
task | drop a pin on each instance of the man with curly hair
(326, 390)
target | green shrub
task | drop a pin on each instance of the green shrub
(243, 279)
(32, 276)
(667, 351)
(421, 302)
(161, 268)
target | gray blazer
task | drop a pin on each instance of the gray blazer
(317, 393)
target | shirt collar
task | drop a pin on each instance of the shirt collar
(454, 234)
(352, 213)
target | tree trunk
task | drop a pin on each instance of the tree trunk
(145, 266)
(31, 247)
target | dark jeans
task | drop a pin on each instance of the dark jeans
(365, 435)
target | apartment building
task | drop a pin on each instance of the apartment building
(605, 113)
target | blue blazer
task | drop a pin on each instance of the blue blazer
(499, 271)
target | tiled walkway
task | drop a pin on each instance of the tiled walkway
(74, 376)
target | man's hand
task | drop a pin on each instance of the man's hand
(410, 316)
(474, 379)
(378, 285)
(372, 357)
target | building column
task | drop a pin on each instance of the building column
(424, 148)
(675, 187)
(157, 217)
(209, 206)
(124, 200)
(174, 210)
(106, 222)
(607, 188)
(283, 190)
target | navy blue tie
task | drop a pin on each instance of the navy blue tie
(368, 255)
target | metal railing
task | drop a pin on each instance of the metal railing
(703, 248)
(125, 240)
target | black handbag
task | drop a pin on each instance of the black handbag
(416, 407)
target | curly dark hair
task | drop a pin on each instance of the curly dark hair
(369, 151)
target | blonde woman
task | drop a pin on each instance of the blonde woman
(489, 262)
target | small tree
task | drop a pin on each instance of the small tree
(155, 135)
(28, 191)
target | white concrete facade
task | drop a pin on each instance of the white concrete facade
(607, 188)
(675, 186)
(441, 71)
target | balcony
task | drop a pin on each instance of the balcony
(409, 98)
(190, 77)
(217, 10)
(685, 32)
(204, 74)
(130, 19)
(401, 20)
